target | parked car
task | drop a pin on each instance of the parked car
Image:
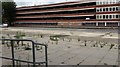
(3, 25)
(87, 18)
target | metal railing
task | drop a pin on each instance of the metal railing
(33, 52)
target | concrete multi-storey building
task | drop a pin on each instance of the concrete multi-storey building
(77, 14)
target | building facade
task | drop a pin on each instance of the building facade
(77, 14)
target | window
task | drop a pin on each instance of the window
(103, 2)
(106, 2)
(100, 3)
(114, 2)
(106, 9)
(106, 16)
(110, 16)
(97, 16)
(103, 9)
(114, 9)
(103, 16)
(110, 9)
(97, 10)
(110, 2)
(117, 16)
(114, 16)
(100, 10)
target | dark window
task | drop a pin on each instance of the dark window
(103, 9)
(101, 24)
(106, 2)
(110, 9)
(110, 16)
(116, 8)
(100, 3)
(97, 10)
(103, 16)
(113, 8)
(107, 16)
(103, 2)
(106, 9)
(97, 16)
(117, 16)
(100, 9)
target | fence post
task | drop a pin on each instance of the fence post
(12, 48)
(46, 56)
(33, 51)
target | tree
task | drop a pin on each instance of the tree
(9, 12)
(0, 12)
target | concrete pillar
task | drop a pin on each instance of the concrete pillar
(105, 23)
(96, 23)
(118, 23)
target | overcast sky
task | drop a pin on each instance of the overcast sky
(38, 2)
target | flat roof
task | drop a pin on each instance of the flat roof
(56, 4)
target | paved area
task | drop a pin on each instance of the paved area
(69, 53)
(68, 50)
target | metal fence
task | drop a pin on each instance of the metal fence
(34, 63)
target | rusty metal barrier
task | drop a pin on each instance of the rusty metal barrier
(33, 52)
